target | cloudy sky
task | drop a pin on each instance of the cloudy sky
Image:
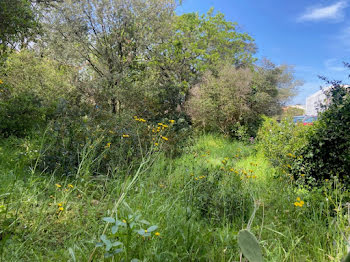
(314, 36)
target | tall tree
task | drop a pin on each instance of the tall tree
(111, 39)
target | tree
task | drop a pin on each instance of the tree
(198, 43)
(110, 39)
(18, 24)
(237, 97)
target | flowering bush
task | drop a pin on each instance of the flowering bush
(280, 142)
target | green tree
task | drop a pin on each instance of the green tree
(109, 40)
(198, 43)
(18, 24)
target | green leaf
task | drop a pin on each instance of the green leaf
(249, 246)
(152, 228)
(109, 219)
(114, 229)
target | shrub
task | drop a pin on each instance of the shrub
(219, 196)
(19, 115)
(280, 142)
(327, 153)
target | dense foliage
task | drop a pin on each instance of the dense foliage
(282, 141)
(327, 153)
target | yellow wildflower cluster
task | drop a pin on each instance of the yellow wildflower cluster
(140, 119)
(164, 138)
(299, 202)
(126, 136)
(60, 207)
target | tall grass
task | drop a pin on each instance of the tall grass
(199, 201)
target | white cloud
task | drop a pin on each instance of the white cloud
(333, 12)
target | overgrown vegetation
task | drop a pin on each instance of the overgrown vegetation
(131, 133)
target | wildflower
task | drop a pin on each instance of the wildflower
(196, 178)
(156, 144)
(289, 166)
(160, 124)
(66, 190)
(231, 169)
(59, 204)
(164, 138)
(302, 175)
(298, 199)
(108, 145)
(226, 158)
(236, 172)
(142, 120)
(302, 202)
(172, 121)
(61, 209)
(289, 154)
(165, 126)
(58, 185)
(125, 136)
(253, 176)
(124, 221)
(224, 162)
(1, 82)
(157, 234)
(146, 231)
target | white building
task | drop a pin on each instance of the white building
(314, 102)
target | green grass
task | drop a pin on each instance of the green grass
(199, 202)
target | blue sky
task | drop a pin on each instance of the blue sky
(314, 36)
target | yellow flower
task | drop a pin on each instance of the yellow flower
(298, 199)
(196, 178)
(157, 234)
(125, 136)
(289, 166)
(156, 144)
(59, 204)
(231, 169)
(302, 202)
(1, 82)
(58, 185)
(302, 175)
(224, 162)
(124, 221)
(108, 145)
(70, 185)
(146, 231)
(172, 121)
(296, 204)
(164, 138)
(160, 124)
(165, 126)
(61, 209)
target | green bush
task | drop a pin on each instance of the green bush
(280, 142)
(219, 196)
(19, 115)
(327, 153)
